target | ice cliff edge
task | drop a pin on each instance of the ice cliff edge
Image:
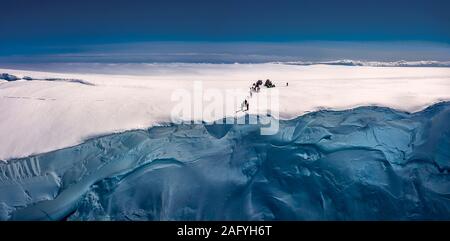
(367, 163)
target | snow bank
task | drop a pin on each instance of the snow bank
(42, 116)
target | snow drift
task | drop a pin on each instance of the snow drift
(367, 163)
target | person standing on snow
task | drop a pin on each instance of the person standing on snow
(246, 105)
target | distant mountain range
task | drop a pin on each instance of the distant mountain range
(347, 62)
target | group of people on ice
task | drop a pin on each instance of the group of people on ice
(256, 87)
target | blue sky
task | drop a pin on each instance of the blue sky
(47, 27)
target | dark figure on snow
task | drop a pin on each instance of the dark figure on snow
(244, 105)
(269, 84)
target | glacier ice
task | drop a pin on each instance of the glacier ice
(367, 163)
(8, 77)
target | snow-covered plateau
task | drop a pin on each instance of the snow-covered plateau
(354, 143)
(40, 116)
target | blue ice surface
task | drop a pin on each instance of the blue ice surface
(8, 77)
(367, 163)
